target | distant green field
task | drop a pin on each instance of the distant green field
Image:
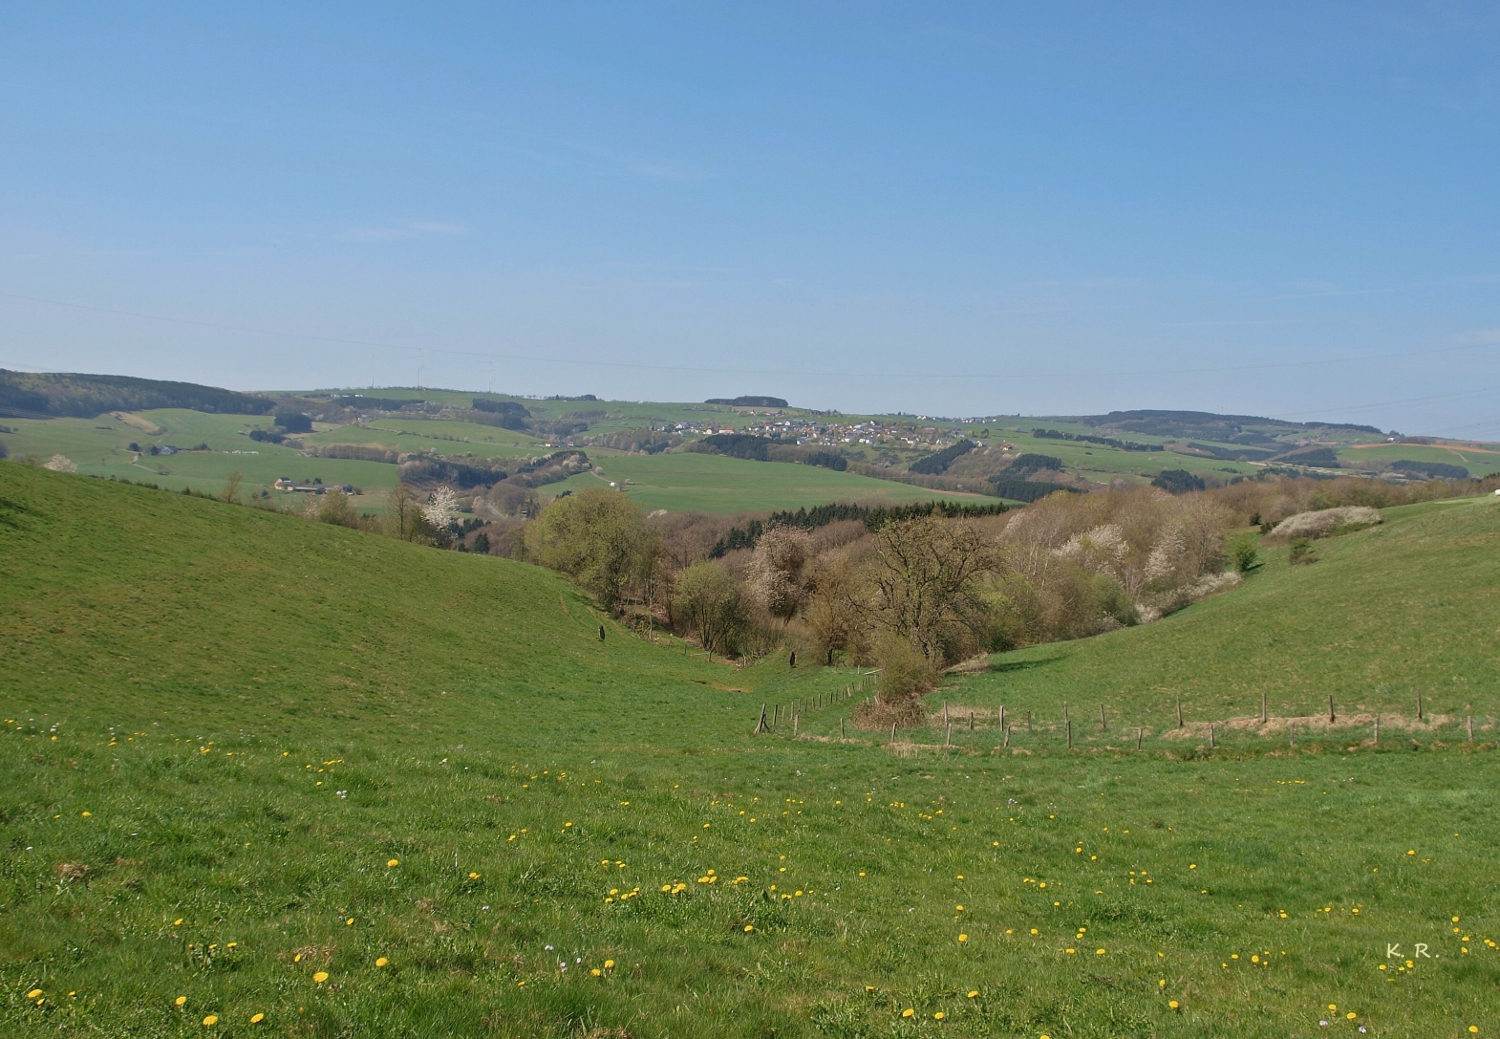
(105, 452)
(440, 436)
(713, 483)
(1101, 463)
(1481, 462)
(267, 767)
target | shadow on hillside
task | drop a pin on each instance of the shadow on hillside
(1024, 665)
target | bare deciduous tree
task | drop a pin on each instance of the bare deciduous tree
(924, 578)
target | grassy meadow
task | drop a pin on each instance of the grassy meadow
(101, 447)
(1480, 459)
(270, 777)
(714, 483)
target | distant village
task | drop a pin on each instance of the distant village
(891, 433)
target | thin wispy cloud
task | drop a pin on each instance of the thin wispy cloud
(415, 229)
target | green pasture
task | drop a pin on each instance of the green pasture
(1102, 463)
(100, 447)
(712, 483)
(269, 767)
(441, 436)
(1480, 461)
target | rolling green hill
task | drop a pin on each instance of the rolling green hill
(713, 483)
(291, 779)
(1091, 449)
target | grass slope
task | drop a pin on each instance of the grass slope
(713, 483)
(274, 768)
(1411, 605)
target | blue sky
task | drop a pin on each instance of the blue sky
(945, 208)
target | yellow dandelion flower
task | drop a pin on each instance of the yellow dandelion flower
(974, 993)
(749, 928)
(1351, 1015)
(908, 1012)
(87, 815)
(349, 922)
(321, 976)
(256, 1019)
(210, 1020)
(596, 972)
(36, 993)
(381, 961)
(179, 1001)
(1072, 952)
(473, 875)
(392, 863)
(939, 1016)
(609, 964)
(1098, 952)
(1173, 1004)
(177, 922)
(963, 938)
(1333, 1006)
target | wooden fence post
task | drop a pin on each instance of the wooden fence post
(1471, 728)
(1377, 730)
(1103, 726)
(1262, 708)
(948, 740)
(1419, 705)
(761, 726)
(1179, 712)
(1068, 728)
(971, 721)
(795, 719)
(1028, 721)
(1007, 735)
(841, 728)
(1139, 735)
(1211, 743)
(1002, 716)
(1331, 716)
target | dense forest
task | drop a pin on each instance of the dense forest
(52, 395)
